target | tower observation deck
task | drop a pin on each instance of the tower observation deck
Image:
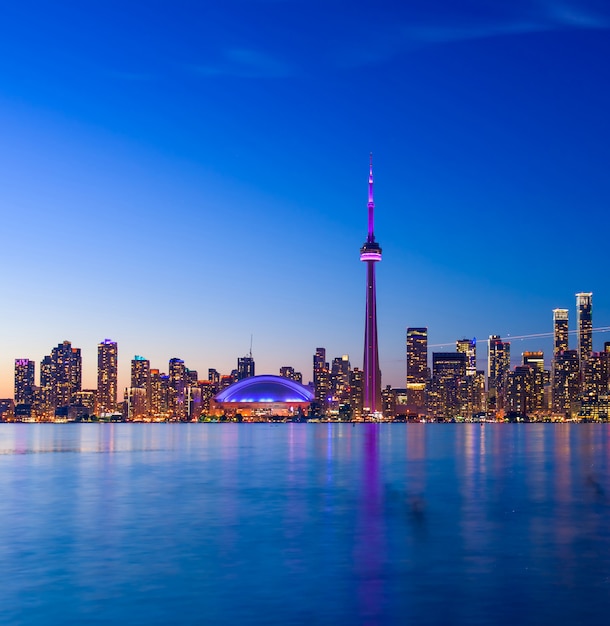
(370, 253)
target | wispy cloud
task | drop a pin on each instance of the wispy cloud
(244, 63)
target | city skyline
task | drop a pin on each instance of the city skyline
(200, 179)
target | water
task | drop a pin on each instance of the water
(304, 524)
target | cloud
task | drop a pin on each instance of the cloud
(245, 63)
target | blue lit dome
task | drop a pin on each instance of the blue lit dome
(265, 388)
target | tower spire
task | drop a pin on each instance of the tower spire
(371, 233)
(370, 253)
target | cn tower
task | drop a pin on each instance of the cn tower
(370, 253)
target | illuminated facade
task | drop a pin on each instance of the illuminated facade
(263, 397)
(448, 389)
(540, 378)
(288, 372)
(24, 381)
(61, 375)
(177, 390)
(498, 366)
(245, 367)
(107, 370)
(417, 368)
(566, 382)
(584, 332)
(140, 379)
(370, 253)
(469, 348)
(560, 331)
(321, 379)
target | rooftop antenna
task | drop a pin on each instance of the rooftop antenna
(251, 345)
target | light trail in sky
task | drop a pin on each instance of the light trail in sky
(601, 329)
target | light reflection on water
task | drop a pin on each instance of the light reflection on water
(304, 524)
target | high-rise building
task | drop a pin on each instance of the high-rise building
(498, 366)
(62, 374)
(107, 371)
(448, 389)
(418, 372)
(24, 381)
(469, 348)
(176, 389)
(321, 379)
(560, 330)
(370, 253)
(356, 393)
(158, 404)
(339, 379)
(584, 332)
(140, 379)
(520, 396)
(245, 367)
(566, 382)
(539, 378)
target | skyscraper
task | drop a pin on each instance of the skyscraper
(584, 330)
(107, 364)
(177, 389)
(417, 367)
(370, 253)
(469, 348)
(321, 378)
(245, 367)
(560, 330)
(24, 381)
(498, 366)
(62, 374)
(448, 393)
(140, 378)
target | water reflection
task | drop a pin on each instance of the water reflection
(304, 523)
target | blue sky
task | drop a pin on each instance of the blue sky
(179, 176)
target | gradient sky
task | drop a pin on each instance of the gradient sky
(178, 176)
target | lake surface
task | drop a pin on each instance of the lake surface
(304, 524)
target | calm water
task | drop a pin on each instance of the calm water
(304, 524)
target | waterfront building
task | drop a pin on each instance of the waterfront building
(61, 374)
(540, 377)
(156, 394)
(107, 372)
(141, 378)
(339, 381)
(520, 396)
(584, 332)
(136, 404)
(566, 382)
(448, 389)
(356, 395)
(262, 398)
(370, 253)
(388, 399)
(24, 381)
(418, 372)
(87, 399)
(321, 379)
(176, 390)
(498, 366)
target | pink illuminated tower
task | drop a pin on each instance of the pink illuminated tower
(370, 253)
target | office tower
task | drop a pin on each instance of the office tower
(388, 400)
(535, 360)
(156, 393)
(566, 382)
(448, 389)
(370, 253)
(596, 375)
(24, 381)
(417, 368)
(560, 330)
(192, 377)
(47, 397)
(245, 367)
(520, 396)
(469, 348)
(339, 379)
(356, 382)
(176, 389)
(214, 377)
(140, 378)
(321, 379)
(288, 372)
(584, 332)
(107, 364)
(136, 405)
(498, 366)
(65, 371)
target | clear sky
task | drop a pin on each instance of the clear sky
(178, 176)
